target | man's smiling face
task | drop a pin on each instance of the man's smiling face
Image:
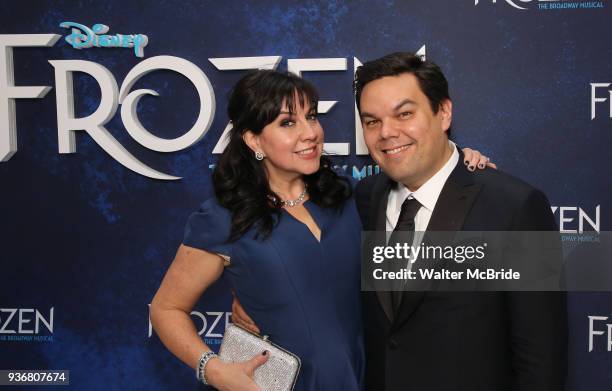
(403, 134)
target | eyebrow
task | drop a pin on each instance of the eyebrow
(404, 102)
(396, 108)
(292, 114)
(365, 114)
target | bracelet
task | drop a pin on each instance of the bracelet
(201, 368)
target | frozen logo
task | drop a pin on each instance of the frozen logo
(112, 96)
(549, 4)
(510, 2)
(82, 37)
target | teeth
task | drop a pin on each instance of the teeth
(306, 151)
(396, 150)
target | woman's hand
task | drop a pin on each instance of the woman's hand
(234, 376)
(472, 159)
(241, 318)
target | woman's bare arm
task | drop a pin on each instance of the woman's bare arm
(191, 272)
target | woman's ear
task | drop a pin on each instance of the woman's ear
(251, 140)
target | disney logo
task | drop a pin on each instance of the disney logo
(82, 37)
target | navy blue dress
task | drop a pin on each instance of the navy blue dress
(303, 293)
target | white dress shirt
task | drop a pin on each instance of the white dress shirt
(427, 195)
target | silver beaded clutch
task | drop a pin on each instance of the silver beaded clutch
(281, 370)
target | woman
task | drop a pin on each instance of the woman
(285, 230)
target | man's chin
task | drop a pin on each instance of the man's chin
(395, 168)
(398, 174)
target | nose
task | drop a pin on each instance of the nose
(388, 129)
(309, 130)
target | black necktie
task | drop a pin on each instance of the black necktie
(404, 229)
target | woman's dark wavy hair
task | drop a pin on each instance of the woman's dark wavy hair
(240, 181)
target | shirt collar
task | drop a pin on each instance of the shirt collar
(428, 193)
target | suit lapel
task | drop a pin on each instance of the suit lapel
(378, 222)
(455, 201)
(453, 205)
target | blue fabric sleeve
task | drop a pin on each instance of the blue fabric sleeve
(209, 229)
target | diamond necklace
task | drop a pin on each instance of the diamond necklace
(291, 203)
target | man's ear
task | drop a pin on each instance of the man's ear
(251, 140)
(446, 114)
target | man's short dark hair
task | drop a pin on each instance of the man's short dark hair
(429, 75)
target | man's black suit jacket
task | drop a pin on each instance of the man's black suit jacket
(445, 341)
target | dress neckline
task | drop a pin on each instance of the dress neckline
(308, 205)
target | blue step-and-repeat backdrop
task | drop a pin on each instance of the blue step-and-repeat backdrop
(112, 115)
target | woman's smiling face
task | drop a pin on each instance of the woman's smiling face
(292, 143)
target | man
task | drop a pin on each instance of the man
(447, 340)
